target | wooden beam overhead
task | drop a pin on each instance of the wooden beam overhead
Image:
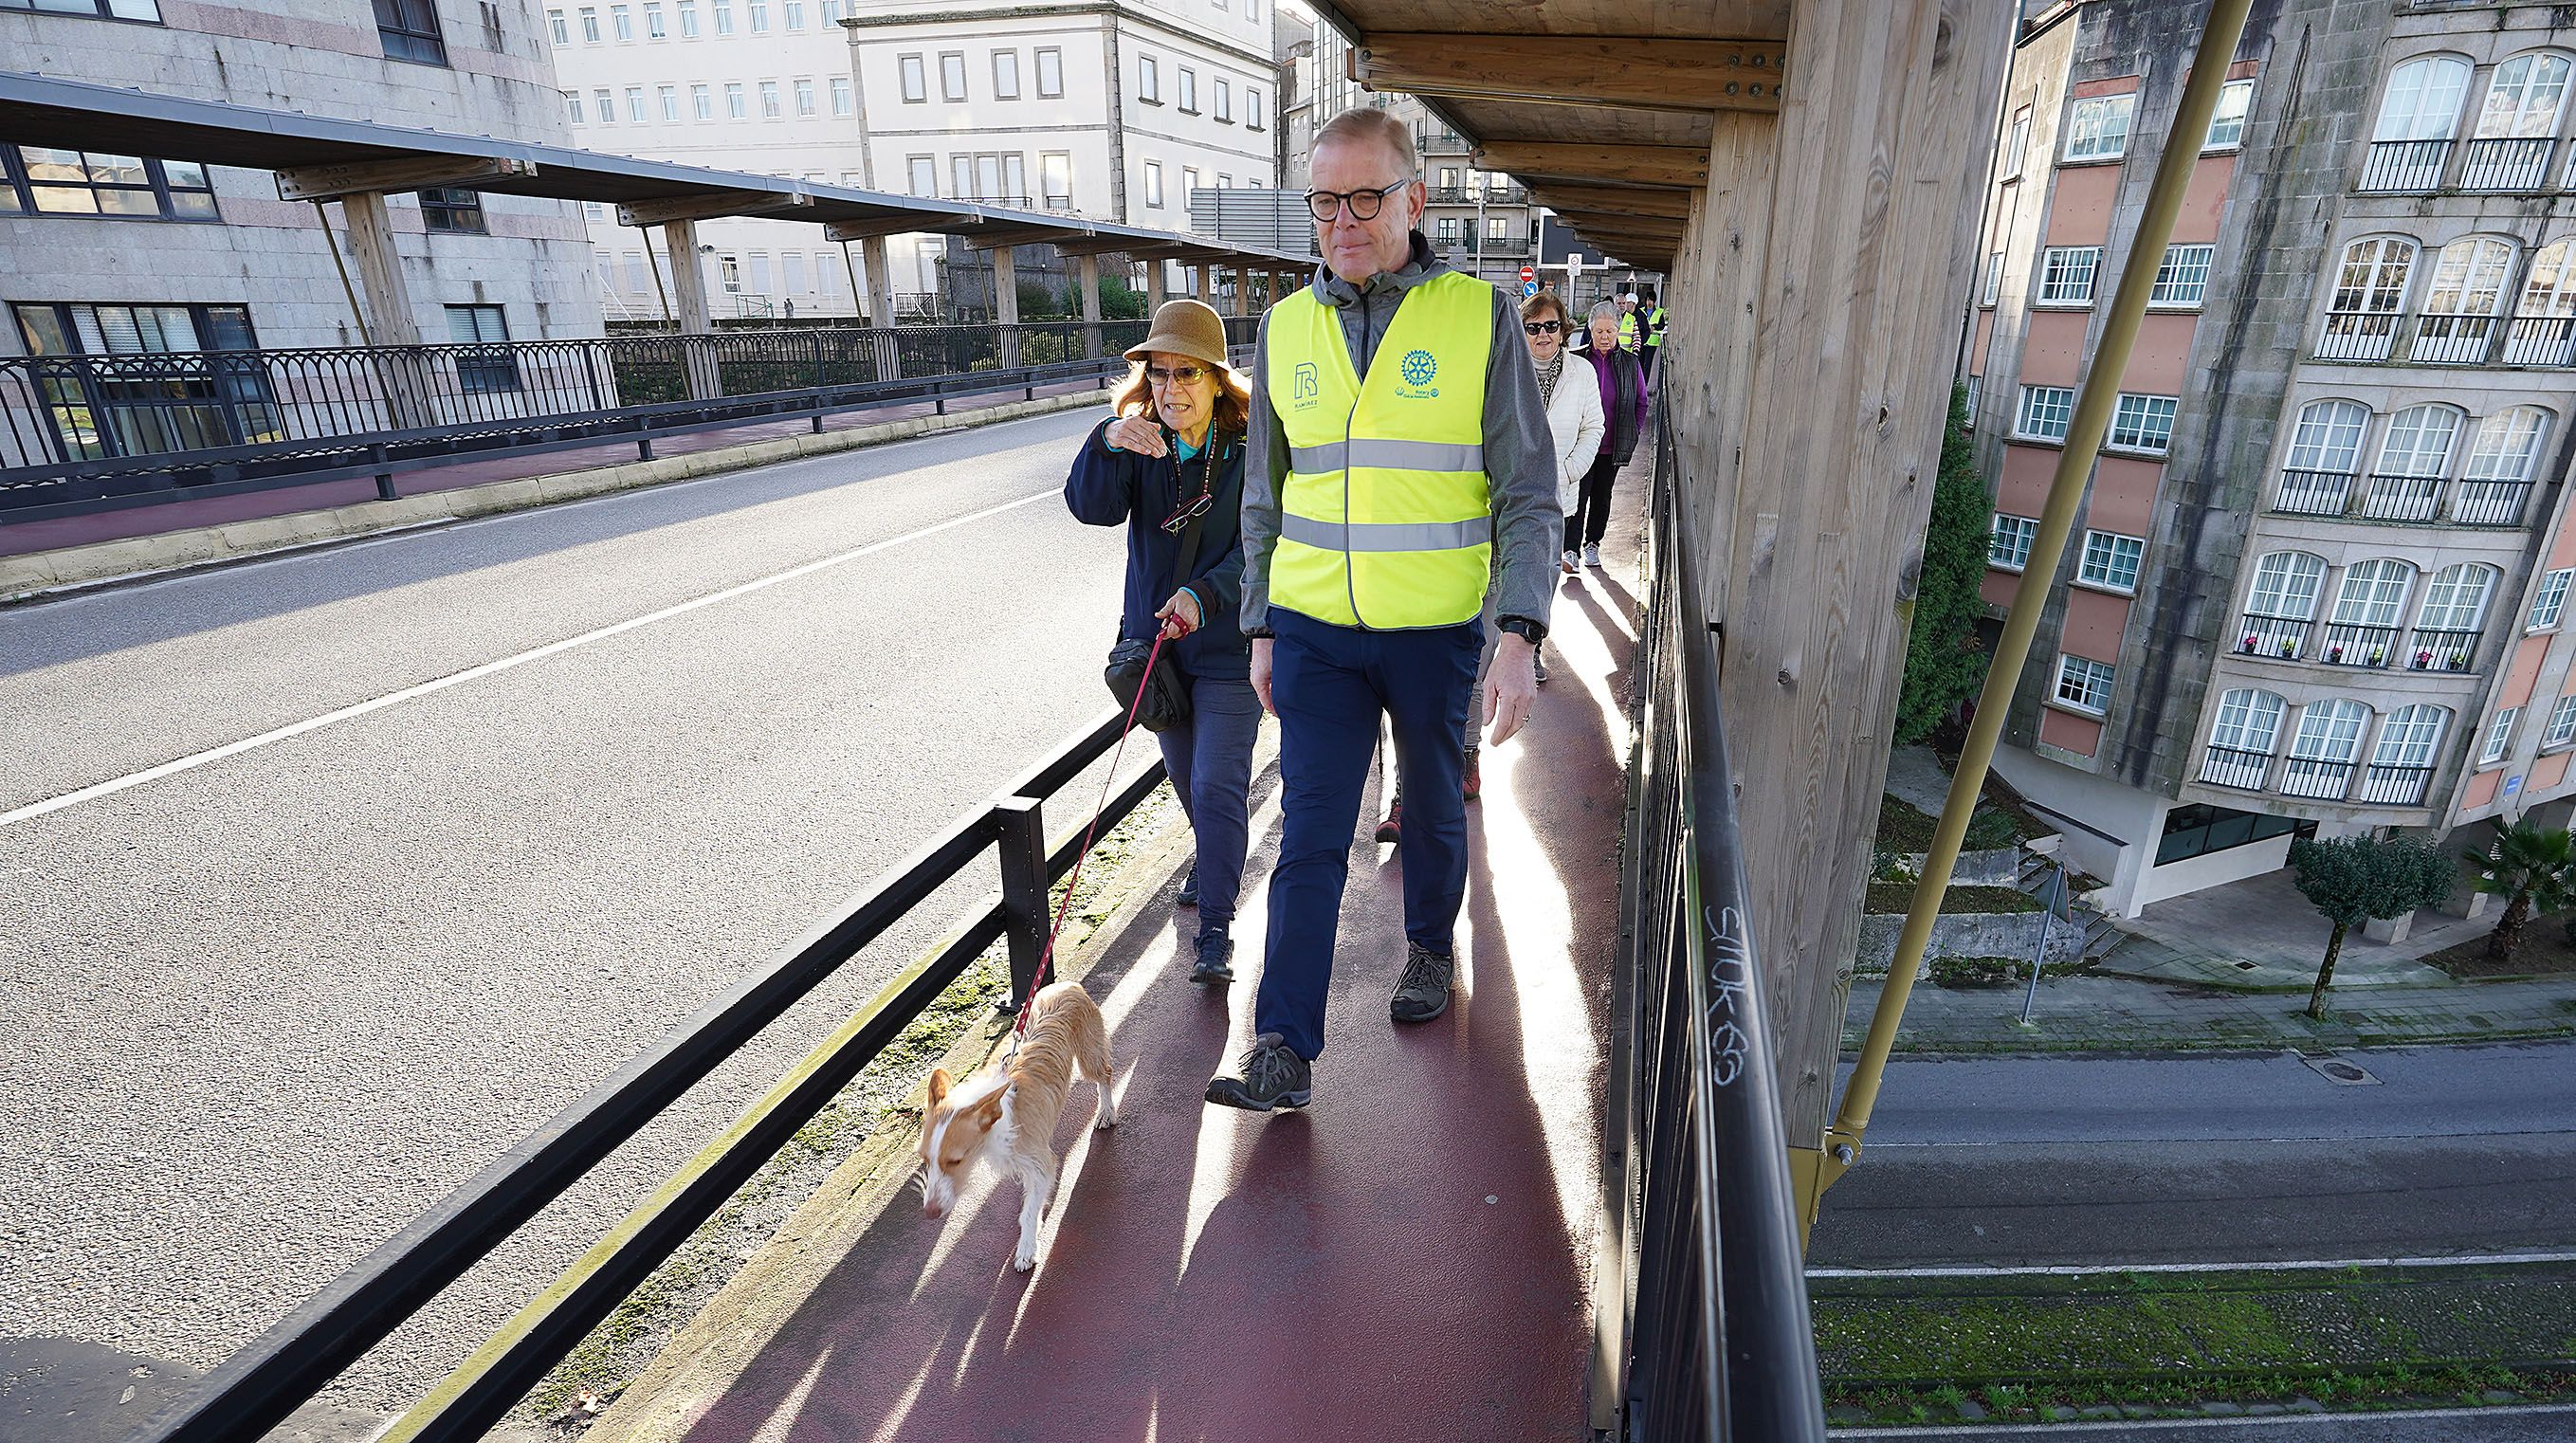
(1018, 235)
(1683, 75)
(883, 226)
(711, 207)
(1613, 200)
(329, 182)
(1680, 165)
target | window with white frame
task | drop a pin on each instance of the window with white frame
(2549, 601)
(2083, 684)
(2328, 437)
(688, 19)
(557, 29)
(2507, 445)
(1050, 73)
(2143, 423)
(635, 104)
(769, 104)
(2182, 277)
(2419, 441)
(1149, 80)
(1994, 278)
(795, 14)
(2286, 584)
(1006, 75)
(1976, 390)
(2499, 737)
(1153, 182)
(2423, 100)
(2045, 412)
(2373, 593)
(923, 174)
(2017, 144)
(2549, 287)
(2562, 723)
(737, 106)
(952, 75)
(621, 22)
(1224, 100)
(2468, 280)
(2524, 98)
(2099, 128)
(1254, 118)
(2111, 561)
(2456, 598)
(603, 106)
(654, 28)
(843, 103)
(759, 13)
(669, 96)
(916, 79)
(2249, 720)
(2227, 123)
(2330, 731)
(1055, 177)
(2066, 275)
(590, 25)
(2008, 549)
(2409, 737)
(702, 103)
(572, 106)
(804, 93)
(1189, 91)
(724, 17)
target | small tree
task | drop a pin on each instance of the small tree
(1943, 665)
(2353, 880)
(2531, 867)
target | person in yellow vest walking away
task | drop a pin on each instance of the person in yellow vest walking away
(1653, 312)
(1399, 460)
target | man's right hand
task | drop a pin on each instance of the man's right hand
(1135, 433)
(1261, 672)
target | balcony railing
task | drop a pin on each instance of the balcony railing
(2280, 638)
(2505, 164)
(2400, 165)
(2315, 493)
(2433, 649)
(2402, 498)
(2540, 341)
(2316, 777)
(2236, 767)
(2349, 644)
(2390, 785)
(2357, 336)
(2490, 503)
(2452, 340)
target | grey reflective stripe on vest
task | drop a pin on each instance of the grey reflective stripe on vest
(1386, 456)
(1388, 535)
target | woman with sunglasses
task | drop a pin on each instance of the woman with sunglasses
(1623, 407)
(1170, 460)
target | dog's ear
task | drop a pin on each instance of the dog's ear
(989, 1111)
(938, 1085)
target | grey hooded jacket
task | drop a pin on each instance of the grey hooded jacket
(1520, 456)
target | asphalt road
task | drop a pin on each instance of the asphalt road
(2057, 1161)
(576, 770)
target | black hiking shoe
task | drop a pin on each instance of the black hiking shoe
(1189, 893)
(1423, 992)
(1215, 964)
(1272, 1077)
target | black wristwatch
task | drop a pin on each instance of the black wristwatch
(1522, 627)
(1256, 633)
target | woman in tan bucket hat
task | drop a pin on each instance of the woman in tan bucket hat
(1168, 465)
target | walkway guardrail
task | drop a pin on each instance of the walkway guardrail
(1705, 1328)
(93, 432)
(289, 1364)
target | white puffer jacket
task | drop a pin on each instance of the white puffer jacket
(1574, 418)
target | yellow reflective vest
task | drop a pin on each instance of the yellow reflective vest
(1386, 515)
(1627, 330)
(1655, 327)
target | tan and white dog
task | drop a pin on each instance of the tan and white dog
(1011, 1107)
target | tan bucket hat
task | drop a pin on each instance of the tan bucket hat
(1184, 328)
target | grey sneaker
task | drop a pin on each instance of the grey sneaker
(1215, 964)
(1423, 992)
(1592, 557)
(1272, 1077)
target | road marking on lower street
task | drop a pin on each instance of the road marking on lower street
(475, 673)
(2067, 1270)
(2170, 1425)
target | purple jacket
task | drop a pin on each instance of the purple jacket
(1623, 401)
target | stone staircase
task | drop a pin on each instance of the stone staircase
(2039, 879)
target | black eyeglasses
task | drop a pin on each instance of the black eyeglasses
(1364, 204)
(1542, 328)
(1186, 375)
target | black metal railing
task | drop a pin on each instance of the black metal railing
(1703, 1315)
(2281, 638)
(95, 432)
(2450, 339)
(2505, 164)
(2400, 497)
(2323, 779)
(2489, 503)
(2399, 165)
(2357, 336)
(2441, 649)
(2391, 785)
(2314, 493)
(277, 1372)
(2235, 767)
(2352, 644)
(2540, 341)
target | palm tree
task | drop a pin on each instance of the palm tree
(2531, 867)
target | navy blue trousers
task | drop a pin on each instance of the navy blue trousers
(1209, 759)
(1330, 684)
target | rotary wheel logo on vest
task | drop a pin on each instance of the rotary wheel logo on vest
(1418, 369)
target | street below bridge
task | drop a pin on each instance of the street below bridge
(327, 878)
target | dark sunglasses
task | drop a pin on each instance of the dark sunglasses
(1186, 375)
(1542, 328)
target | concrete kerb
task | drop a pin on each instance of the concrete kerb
(666, 1401)
(39, 574)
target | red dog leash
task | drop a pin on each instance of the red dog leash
(1046, 958)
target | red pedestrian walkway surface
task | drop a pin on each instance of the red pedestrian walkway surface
(18, 538)
(1411, 1259)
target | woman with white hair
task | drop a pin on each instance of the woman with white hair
(1622, 381)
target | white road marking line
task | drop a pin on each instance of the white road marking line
(2071, 1270)
(476, 673)
(2141, 1425)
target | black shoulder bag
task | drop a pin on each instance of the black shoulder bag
(1167, 697)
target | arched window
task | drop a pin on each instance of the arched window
(2320, 763)
(2524, 97)
(2373, 593)
(2543, 332)
(2497, 479)
(2369, 290)
(2419, 441)
(2325, 454)
(2418, 115)
(2461, 304)
(2282, 604)
(2241, 739)
(2455, 601)
(2401, 763)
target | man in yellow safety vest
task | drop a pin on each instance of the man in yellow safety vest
(1654, 315)
(1399, 465)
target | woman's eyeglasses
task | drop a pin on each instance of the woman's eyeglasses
(1364, 204)
(1185, 375)
(1188, 513)
(1542, 328)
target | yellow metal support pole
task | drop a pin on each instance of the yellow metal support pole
(2101, 388)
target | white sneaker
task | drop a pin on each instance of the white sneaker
(1592, 557)
(1572, 562)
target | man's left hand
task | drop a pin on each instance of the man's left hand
(1511, 685)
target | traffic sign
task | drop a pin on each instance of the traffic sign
(1528, 289)
(1528, 274)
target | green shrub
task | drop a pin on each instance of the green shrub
(1977, 971)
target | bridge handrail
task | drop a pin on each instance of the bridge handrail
(258, 1387)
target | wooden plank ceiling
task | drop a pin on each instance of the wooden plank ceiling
(1600, 107)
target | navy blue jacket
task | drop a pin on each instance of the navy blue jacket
(1109, 487)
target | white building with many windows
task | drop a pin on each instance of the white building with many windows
(1108, 108)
